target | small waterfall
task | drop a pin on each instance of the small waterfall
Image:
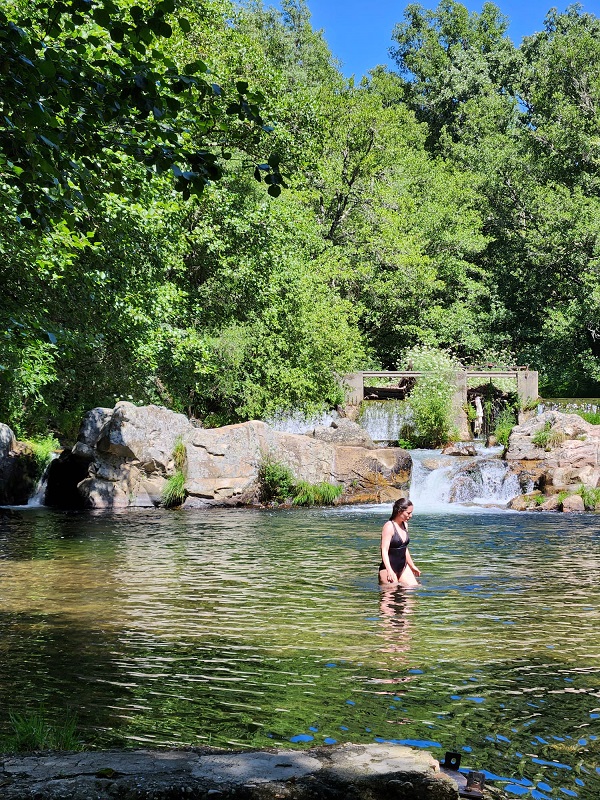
(383, 420)
(297, 422)
(39, 495)
(439, 481)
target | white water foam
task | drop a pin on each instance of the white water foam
(454, 483)
(297, 422)
(37, 498)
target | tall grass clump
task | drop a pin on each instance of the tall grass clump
(431, 399)
(548, 438)
(590, 497)
(32, 731)
(174, 492)
(316, 494)
(505, 422)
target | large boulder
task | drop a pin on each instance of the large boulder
(556, 450)
(18, 469)
(8, 445)
(124, 457)
(345, 432)
(8, 442)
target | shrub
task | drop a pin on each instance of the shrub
(174, 492)
(505, 422)
(32, 731)
(590, 497)
(276, 481)
(431, 399)
(548, 438)
(320, 494)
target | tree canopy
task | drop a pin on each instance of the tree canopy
(453, 203)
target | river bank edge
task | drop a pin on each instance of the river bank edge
(335, 772)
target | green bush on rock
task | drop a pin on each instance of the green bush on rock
(505, 422)
(278, 484)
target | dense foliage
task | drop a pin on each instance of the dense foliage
(148, 252)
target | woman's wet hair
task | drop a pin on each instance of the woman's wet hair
(400, 505)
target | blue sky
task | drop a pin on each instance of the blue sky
(359, 31)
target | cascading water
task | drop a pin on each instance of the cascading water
(440, 482)
(297, 422)
(384, 419)
(38, 497)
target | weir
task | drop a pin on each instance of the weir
(379, 419)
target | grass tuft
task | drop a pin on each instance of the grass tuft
(32, 731)
(548, 437)
(590, 497)
(316, 494)
(593, 417)
(180, 454)
(174, 492)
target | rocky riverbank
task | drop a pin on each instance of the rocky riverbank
(347, 772)
(124, 457)
(557, 460)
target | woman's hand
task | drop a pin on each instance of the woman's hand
(391, 577)
(415, 570)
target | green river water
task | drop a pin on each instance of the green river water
(260, 628)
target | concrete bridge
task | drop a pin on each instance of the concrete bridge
(526, 387)
(526, 384)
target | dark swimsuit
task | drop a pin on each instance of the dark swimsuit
(397, 551)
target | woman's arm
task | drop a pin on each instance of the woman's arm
(411, 563)
(386, 537)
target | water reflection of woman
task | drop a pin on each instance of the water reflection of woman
(397, 566)
(396, 607)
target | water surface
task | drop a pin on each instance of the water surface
(254, 628)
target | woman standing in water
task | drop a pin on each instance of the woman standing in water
(397, 567)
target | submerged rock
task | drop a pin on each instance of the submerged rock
(460, 449)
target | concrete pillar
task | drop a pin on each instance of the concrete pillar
(354, 387)
(459, 401)
(527, 385)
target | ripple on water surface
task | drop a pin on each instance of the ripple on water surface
(254, 628)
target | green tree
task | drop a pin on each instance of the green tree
(85, 86)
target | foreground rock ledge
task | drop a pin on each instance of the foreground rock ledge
(336, 773)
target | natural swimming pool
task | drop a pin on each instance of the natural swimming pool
(260, 628)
